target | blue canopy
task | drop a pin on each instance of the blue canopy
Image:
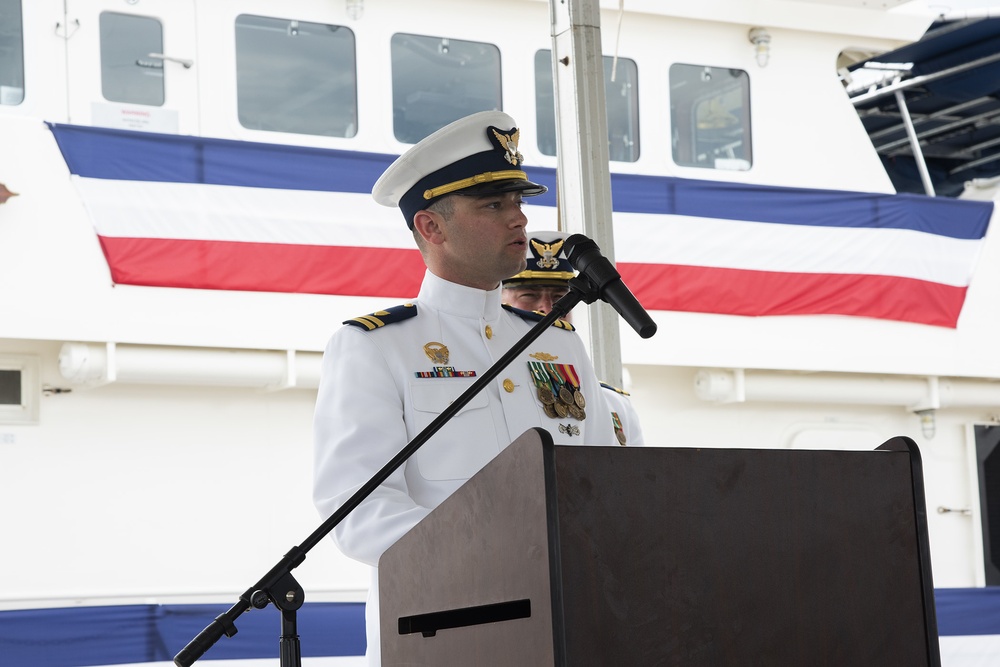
(956, 114)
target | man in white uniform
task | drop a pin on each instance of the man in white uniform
(544, 281)
(387, 375)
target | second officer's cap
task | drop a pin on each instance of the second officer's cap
(547, 262)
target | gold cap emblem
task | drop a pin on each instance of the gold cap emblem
(547, 252)
(509, 142)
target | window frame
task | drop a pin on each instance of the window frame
(350, 121)
(545, 127)
(27, 411)
(455, 111)
(149, 65)
(685, 133)
(6, 96)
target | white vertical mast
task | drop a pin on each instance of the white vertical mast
(584, 181)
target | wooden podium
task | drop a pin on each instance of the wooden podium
(577, 555)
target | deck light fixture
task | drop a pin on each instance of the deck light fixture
(761, 39)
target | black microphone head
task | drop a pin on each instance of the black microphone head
(605, 283)
(577, 245)
(573, 239)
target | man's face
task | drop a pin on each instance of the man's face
(534, 297)
(484, 239)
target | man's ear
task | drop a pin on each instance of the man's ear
(428, 225)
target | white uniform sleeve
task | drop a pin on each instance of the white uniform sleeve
(632, 426)
(358, 428)
(621, 404)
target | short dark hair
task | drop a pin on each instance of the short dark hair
(444, 206)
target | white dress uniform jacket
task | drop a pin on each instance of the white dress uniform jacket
(373, 400)
(621, 406)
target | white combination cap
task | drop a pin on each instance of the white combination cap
(476, 155)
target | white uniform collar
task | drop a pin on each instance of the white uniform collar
(459, 300)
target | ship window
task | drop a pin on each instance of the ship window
(19, 389)
(128, 73)
(11, 53)
(621, 99)
(295, 76)
(436, 80)
(710, 117)
(10, 387)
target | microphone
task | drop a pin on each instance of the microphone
(587, 259)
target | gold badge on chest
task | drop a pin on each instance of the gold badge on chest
(436, 352)
(439, 355)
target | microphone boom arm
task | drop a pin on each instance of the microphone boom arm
(278, 584)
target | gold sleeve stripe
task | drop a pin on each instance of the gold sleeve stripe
(487, 177)
(363, 322)
(370, 322)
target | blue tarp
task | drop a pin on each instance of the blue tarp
(83, 636)
(968, 611)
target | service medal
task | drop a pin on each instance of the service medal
(565, 395)
(572, 384)
(619, 429)
(546, 385)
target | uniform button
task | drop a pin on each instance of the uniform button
(489, 331)
(508, 386)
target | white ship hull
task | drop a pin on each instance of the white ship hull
(158, 452)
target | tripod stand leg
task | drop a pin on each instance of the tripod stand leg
(288, 646)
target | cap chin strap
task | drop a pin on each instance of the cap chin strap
(543, 275)
(487, 177)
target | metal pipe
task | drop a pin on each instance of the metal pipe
(98, 364)
(941, 129)
(926, 78)
(891, 129)
(918, 154)
(912, 393)
(975, 163)
(584, 176)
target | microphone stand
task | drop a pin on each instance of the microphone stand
(279, 587)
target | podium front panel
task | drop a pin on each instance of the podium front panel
(558, 555)
(739, 557)
(481, 555)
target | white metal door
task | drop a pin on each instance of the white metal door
(132, 64)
